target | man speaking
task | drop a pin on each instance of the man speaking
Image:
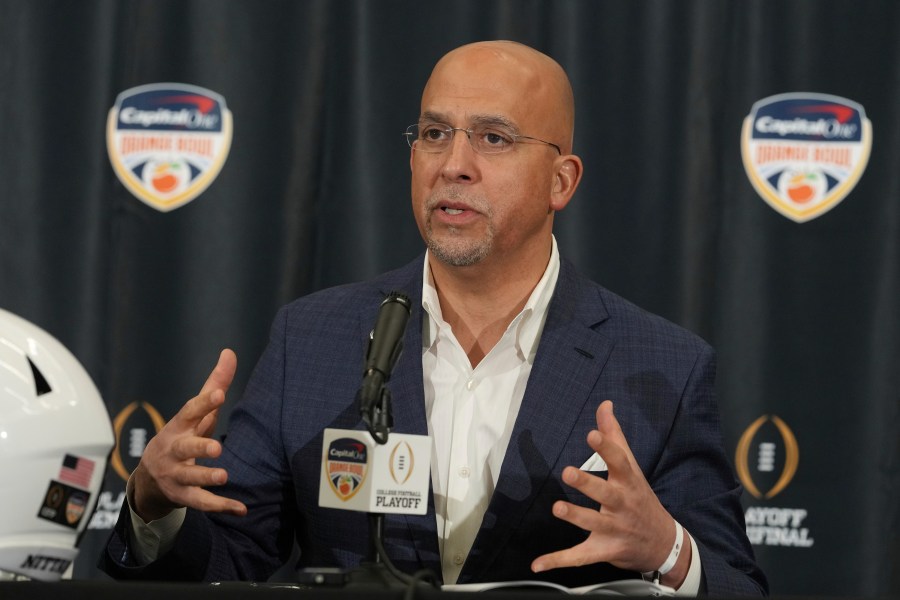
(575, 437)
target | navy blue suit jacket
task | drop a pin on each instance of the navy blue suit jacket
(595, 346)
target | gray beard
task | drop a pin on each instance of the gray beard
(458, 252)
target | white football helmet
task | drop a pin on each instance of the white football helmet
(55, 439)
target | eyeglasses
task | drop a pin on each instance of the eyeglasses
(484, 139)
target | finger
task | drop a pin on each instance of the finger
(200, 412)
(199, 476)
(194, 447)
(575, 556)
(592, 486)
(207, 424)
(609, 442)
(210, 398)
(617, 458)
(204, 500)
(222, 374)
(608, 424)
(587, 519)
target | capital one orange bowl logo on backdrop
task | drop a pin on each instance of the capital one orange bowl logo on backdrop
(805, 152)
(167, 142)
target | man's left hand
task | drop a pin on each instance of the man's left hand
(631, 529)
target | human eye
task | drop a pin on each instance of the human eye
(434, 134)
(494, 140)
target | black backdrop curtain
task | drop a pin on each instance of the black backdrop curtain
(314, 192)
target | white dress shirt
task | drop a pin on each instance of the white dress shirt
(471, 412)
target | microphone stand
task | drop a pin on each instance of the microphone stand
(385, 346)
(375, 407)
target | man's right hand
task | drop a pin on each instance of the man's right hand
(167, 476)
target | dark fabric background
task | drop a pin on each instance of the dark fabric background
(315, 193)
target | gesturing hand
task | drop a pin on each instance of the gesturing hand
(167, 476)
(631, 529)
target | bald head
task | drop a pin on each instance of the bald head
(510, 74)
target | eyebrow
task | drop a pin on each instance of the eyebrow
(478, 119)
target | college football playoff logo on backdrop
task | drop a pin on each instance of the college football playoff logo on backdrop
(133, 427)
(776, 452)
(766, 461)
(168, 141)
(805, 152)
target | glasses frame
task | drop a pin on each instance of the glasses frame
(412, 136)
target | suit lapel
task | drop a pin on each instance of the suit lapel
(570, 357)
(407, 394)
(408, 398)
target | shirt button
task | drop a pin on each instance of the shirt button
(458, 558)
(464, 472)
(470, 384)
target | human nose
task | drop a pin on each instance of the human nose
(458, 158)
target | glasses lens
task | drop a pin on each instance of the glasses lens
(488, 140)
(412, 134)
(437, 138)
(429, 138)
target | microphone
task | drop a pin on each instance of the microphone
(386, 340)
(360, 470)
(385, 347)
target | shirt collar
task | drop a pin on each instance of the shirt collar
(529, 323)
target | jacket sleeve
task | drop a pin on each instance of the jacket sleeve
(217, 547)
(695, 482)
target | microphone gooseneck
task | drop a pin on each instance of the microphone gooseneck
(385, 347)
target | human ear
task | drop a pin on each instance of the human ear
(566, 178)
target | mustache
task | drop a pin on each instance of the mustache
(455, 193)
